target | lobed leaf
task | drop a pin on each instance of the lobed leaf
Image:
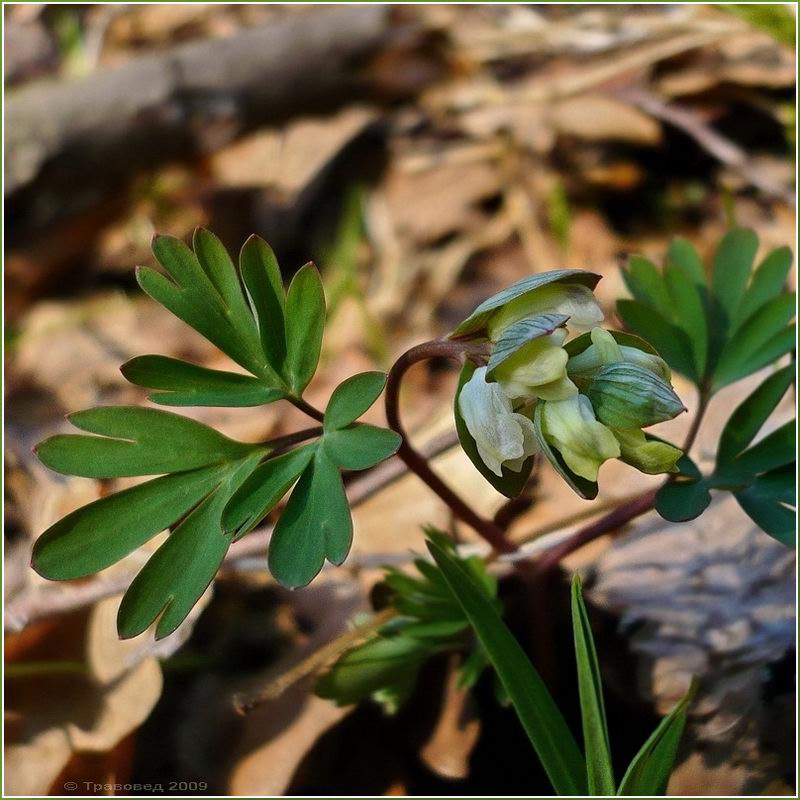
(645, 283)
(360, 446)
(184, 384)
(305, 321)
(263, 489)
(750, 416)
(773, 517)
(351, 398)
(691, 314)
(262, 277)
(683, 255)
(768, 281)
(315, 525)
(103, 532)
(179, 572)
(137, 441)
(731, 271)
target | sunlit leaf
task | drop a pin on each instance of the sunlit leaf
(352, 398)
(314, 526)
(177, 574)
(136, 441)
(184, 384)
(305, 321)
(360, 446)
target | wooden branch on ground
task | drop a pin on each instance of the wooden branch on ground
(79, 139)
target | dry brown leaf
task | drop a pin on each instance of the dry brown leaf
(598, 118)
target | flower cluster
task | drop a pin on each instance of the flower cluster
(580, 401)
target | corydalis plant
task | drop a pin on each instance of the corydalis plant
(213, 490)
(527, 387)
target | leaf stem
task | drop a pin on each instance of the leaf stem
(306, 408)
(284, 442)
(436, 348)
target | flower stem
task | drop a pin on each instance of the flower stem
(437, 348)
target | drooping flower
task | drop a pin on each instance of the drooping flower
(570, 427)
(571, 299)
(504, 438)
(537, 370)
(604, 349)
(651, 457)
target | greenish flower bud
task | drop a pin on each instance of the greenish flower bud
(570, 427)
(537, 370)
(629, 396)
(605, 350)
(651, 457)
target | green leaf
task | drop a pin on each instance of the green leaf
(599, 768)
(305, 321)
(103, 532)
(217, 265)
(194, 298)
(136, 441)
(649, 771)
(521, 333)
(511, 483)
(538, 713)
(178, 573)
(768, 281)
(263, 489)
(765, 354)
(732, 264)
(773, 451)
(582, 487)
(744, 352)
(645, 283)
(778, 485)
(315, 525)
(681, 501)
(262, 277)
(628, 396)
(352, 398)
(774, 518)
(380, 665)
(185, 384)
(361, 446)
(475, 323)
(682, 254)
(671, 343)
(690, 314)
(748, 419)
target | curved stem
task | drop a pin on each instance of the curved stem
(284, 442)
(306, 408)
(437, 348)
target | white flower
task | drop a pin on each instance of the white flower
(537, 369)
(584, 443)
(604, 349)
(572, 299)
(503, 438)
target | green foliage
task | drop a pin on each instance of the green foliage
(773, 18)
(568, 770)
(760, 476)
(213, 490)
(719, 331)
(429, 621)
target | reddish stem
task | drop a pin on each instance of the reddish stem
(438, 348)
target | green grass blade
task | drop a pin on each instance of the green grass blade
(599, 769)
(650, 769)
(535, 707)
